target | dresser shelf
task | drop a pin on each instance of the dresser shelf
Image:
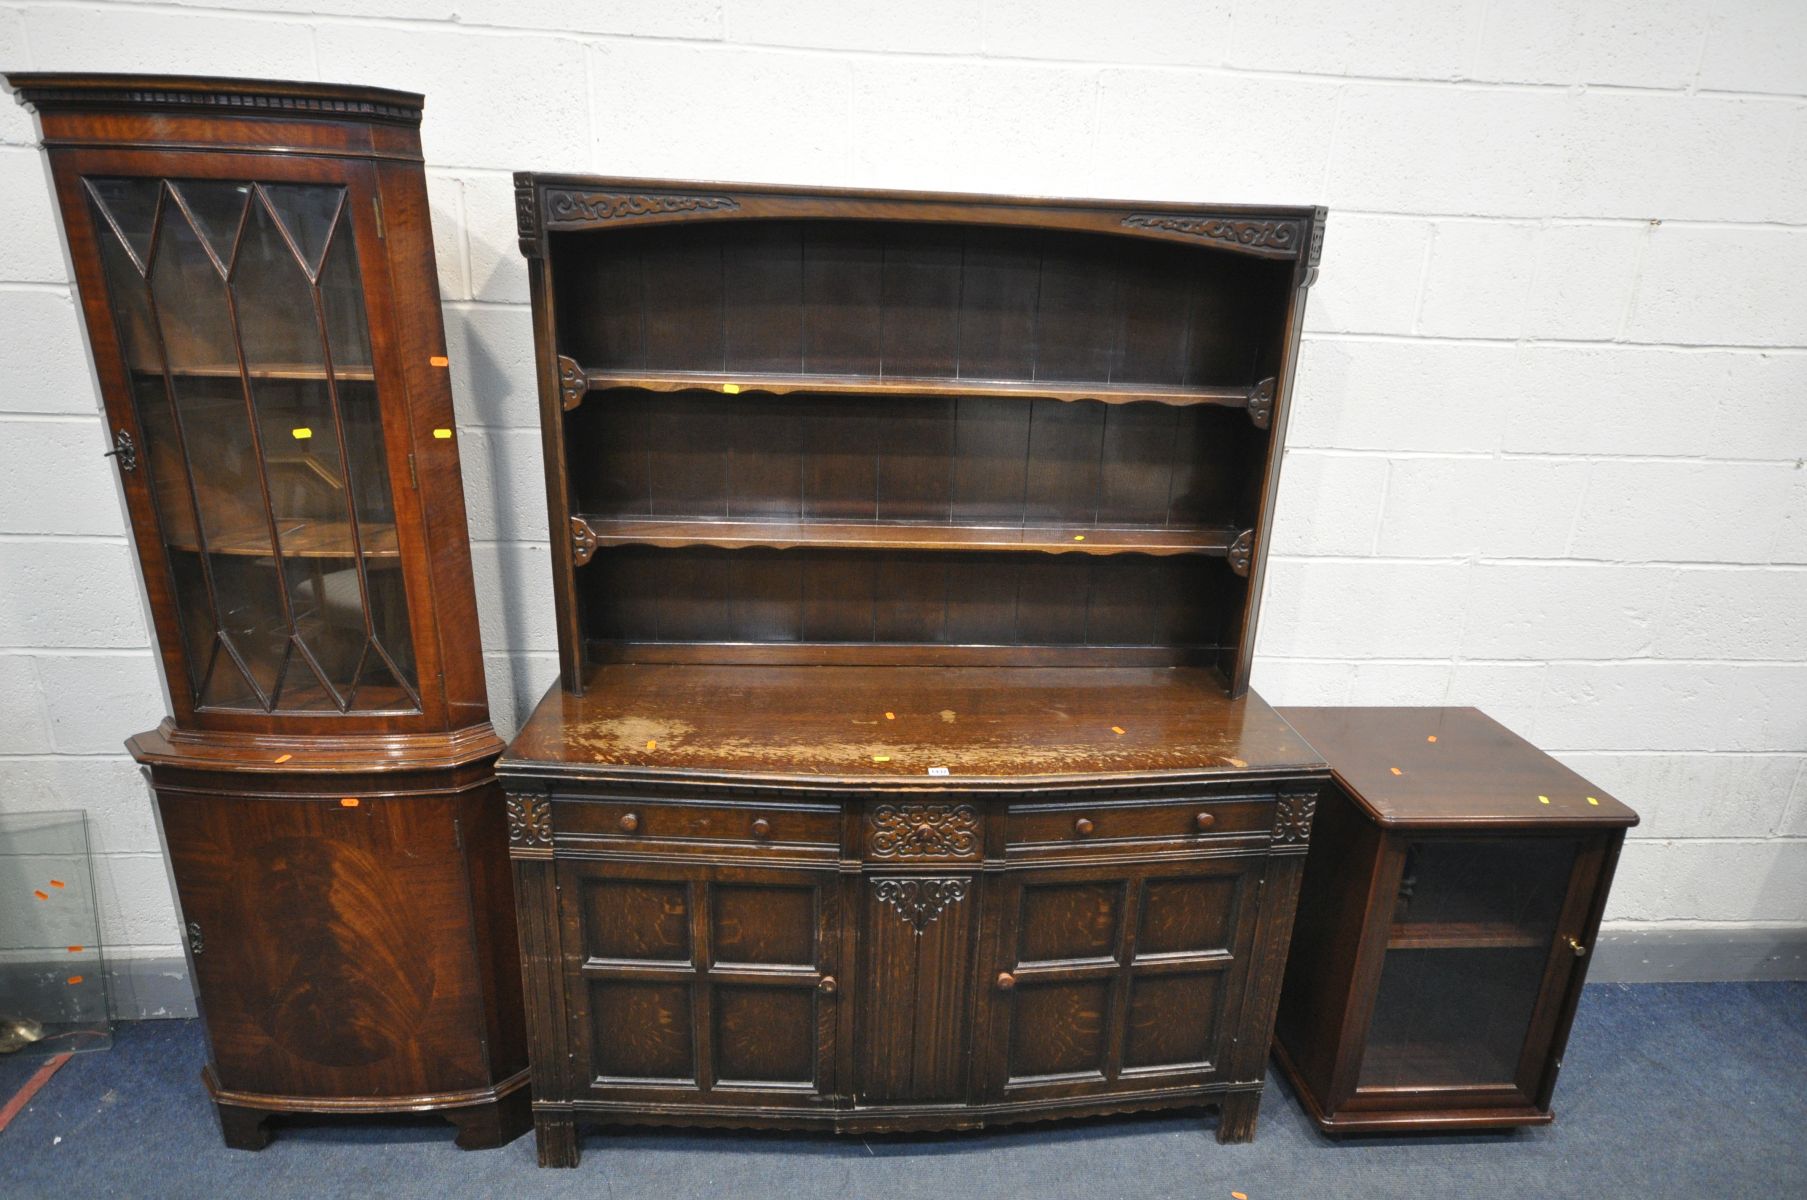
(915, 385)
(908, 535)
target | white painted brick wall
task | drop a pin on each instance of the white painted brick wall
(1547, 455)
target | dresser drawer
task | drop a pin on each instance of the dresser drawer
(1078, 827)
(717, 827)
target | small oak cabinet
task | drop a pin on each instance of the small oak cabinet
(1451, 899)
(256, 272)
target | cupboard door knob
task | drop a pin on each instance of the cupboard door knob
(1083, 827)
(827, 985)
(1006, 981)
(629, 822)
(762, 828)
(1578, 948)
(1205, 821)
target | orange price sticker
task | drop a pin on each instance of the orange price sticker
(282, 758)
(57, 883)
(1396, 770)
(651, 744)
(1118, 730)
(75, 949)
(75, 979)
(40, 893)
(444, 435)
(1431, 738)
(348, 802)
(439, 360)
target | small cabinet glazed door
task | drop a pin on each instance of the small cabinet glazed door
(710, 985)
(1481, 945)
(1119, 980)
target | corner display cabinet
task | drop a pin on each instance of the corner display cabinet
(256, 272)
(903, 773)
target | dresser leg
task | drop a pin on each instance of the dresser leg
(243, 1128)
(556, 1138)
(497, 1123)
(1236, 1117)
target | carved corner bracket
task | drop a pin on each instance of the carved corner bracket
(1269, 239)
(1241, 554)
(526, 215)
(1316, 251)
(583, 541)
(573, 382)
(919, 900)
(568, 208)
(529, 822)
(1292, 819)
(909, 831)
(1261, 403)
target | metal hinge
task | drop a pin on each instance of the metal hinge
(125, 450)
(376, 204)
(196, 943)
(413, 474)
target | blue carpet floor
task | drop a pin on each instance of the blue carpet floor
(1686, 1090)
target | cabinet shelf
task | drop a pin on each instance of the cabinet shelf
(900, 535)
(300, 539)
(1464, 935)
(906, 385)
(286, 372)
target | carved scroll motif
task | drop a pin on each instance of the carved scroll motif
(1242, 552)
(529, 821)
(572, 382)
(583, 541)
(903, 831)
(589, 208)
(1261, 403)
(917, 900)
(1273, 239)
(1292, 819)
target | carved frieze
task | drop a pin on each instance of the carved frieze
(569, 208)
(1242, 552)
(912, 831)
(918, 900)
(572, 382)
(529, 821)
(1292, 819)
(583, 541)
(1272, 239)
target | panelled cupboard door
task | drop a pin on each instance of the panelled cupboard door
(331, 944)
(704, 984)
(1118, 979)
(917, 940)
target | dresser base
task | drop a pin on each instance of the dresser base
(484, 1117)
(555, 1125)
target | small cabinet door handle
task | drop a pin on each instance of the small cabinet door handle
(1083, 827)
(1205, 820)
(1006, 981)
(762, 828)
(827, 985)
(1578, 948)
(629, 822)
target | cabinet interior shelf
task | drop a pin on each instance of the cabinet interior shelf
(1464, 935)
(902, 385)
(300, 539)
(286, 372)
(909, 535)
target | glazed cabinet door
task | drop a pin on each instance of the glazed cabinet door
(1486, 943)
(240, 346)
(1119, 979)
(707, 985)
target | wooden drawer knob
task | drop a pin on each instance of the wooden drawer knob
(762, 828)
(1205, 820)
(827, 985)
(1083, 827)
(1006, 981)
(629, 822)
